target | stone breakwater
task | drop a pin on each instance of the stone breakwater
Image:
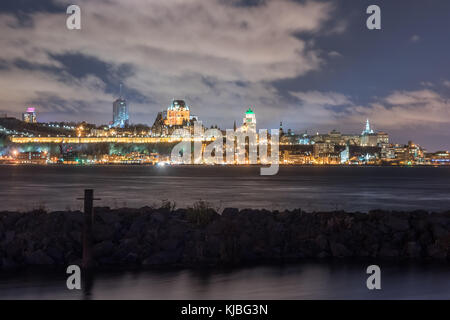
(193, 237)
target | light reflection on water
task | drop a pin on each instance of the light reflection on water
(309, 188)
(308, 280)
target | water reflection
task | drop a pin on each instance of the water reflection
(333, 279)
(309, 188)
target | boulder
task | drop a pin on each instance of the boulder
(103, 249)
(413, 249)
(38, 257)
(102, 232)
(436, 252)
(230, 212)
(194, 237)
(388, 251)
(339, 250)
(398, 222)
(9, 236)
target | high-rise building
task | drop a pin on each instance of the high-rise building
(120, 112)
(177, 114)
(29, 116)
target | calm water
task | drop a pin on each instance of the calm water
(309, 280)
(310, 188)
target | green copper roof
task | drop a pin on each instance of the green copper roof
(249, 111)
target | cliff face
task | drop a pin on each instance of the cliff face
(195, 237)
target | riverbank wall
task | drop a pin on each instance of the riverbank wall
(199, 236)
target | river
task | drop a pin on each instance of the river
(310, 188)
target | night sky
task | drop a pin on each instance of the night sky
(311, 64)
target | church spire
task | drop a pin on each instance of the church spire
(367, 130)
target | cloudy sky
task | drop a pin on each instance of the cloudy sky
(311, 64)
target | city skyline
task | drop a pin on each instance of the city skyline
(178, 115)
(318, 69)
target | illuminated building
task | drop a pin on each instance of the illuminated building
(387, 152)
(369, 140)
(403, 154)
(345, 154)
(304, 139)
(439, 157)
(415, 153)
(158, 128)
(249, 121)
(100, 132)
(335, 137)
(248, 128)
(120, 113)
(29, 116)
(31, 157)
(130, 158)
(352, 139)
(368, 137)
(367, 129)
(177, 114)
(323, 149)
(382, 138)
(297, 156)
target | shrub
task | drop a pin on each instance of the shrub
(201, 213)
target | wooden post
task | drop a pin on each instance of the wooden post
(87, 231)
(87, 262)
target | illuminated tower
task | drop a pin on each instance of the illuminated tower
(120, 112)
(177, 113)
(367, 130)
(368, 137)
(249, 120)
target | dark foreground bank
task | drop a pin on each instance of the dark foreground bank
(200, 236)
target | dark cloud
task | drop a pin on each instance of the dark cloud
(26, 65)
(4, 65)
(24, 10)
(311, 64)
(22, 7)
(244, 3)
(80, 66)
(56, 104)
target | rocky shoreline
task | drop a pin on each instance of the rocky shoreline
(199, 236)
